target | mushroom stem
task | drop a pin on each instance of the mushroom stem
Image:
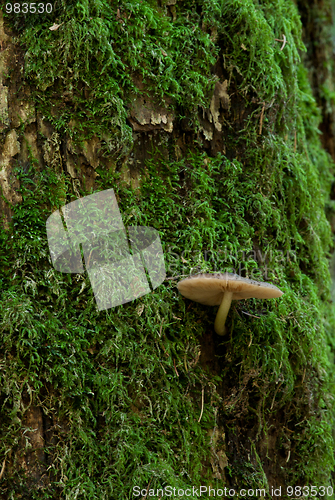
(221, 316)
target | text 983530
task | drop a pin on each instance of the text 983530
(28, 8)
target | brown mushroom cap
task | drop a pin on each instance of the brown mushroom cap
(208, 289)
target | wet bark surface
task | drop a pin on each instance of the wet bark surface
(316, 18)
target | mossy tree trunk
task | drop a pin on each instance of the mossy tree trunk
(201, 117)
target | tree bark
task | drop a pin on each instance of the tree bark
(95, 403)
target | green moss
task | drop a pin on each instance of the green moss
(125, 385)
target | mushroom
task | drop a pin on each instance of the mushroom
(221, 289)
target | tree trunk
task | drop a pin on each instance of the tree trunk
(205, 123)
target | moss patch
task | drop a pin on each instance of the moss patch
(125, 388)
